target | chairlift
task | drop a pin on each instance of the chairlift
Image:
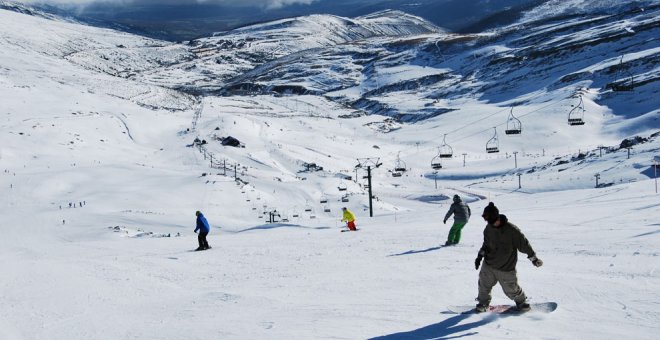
(344, 198)
(326, 208)
(513, 124)
(308, 209)
(399, 166)
(624, 81)
(445, 151)
(493, 144)
(435, 163)
(323, 200)
(342, 187)
(576, 115)
(396, 174)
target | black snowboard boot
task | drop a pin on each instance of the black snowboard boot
(481, 308)
(523, 306)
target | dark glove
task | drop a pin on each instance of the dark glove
(444, 221)
(477, 262)
(536, 261)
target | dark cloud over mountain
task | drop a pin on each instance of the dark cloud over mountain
(186, 19)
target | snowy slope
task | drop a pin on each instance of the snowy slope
(104, 136)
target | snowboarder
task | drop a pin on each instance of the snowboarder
(462, 214)
(203, 227)
(502, 241)
(349, 218)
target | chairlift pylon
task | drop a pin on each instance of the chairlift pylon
(493, 144)
(445, 150)
(576, 115)
(513, 124)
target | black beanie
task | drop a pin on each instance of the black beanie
(491, 213)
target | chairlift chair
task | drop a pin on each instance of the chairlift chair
(493, 144)
(445, 150)
(396, 174)
(435, 163)
(326, 208)
(344, 198)
(323, 200)
(513, 124)
(576, 115)
(625, 80)
(399, 166)
(342, 187)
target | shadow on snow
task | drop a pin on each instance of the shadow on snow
(409, 252)
(280, 225)
(443, 330)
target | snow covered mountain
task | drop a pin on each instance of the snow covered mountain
(111, 141)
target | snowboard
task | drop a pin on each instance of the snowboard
(345, 230)
(542, 307)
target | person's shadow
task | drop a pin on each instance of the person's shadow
(447, 329)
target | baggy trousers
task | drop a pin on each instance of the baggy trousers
(488, 277)
(201, 238)
(455, 232)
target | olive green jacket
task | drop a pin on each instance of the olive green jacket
(502, 244)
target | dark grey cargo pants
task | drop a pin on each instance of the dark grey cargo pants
(489, 276)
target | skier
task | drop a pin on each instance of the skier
(349, 218)
(502, 241)
(203, 227)
(462, 214)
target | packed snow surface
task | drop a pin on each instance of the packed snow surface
(100, 180)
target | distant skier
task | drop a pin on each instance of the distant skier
(502, 241)
(203, 227)
(349, 218)
(462, 214)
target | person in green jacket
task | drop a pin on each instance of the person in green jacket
(502, 242)
(461, 212)
(349, 218)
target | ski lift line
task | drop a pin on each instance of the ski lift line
(501, 124)
(495, 126)
(488, 129)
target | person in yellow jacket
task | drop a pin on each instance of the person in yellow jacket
(349, 217)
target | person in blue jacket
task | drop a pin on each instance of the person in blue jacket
(203, 227)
